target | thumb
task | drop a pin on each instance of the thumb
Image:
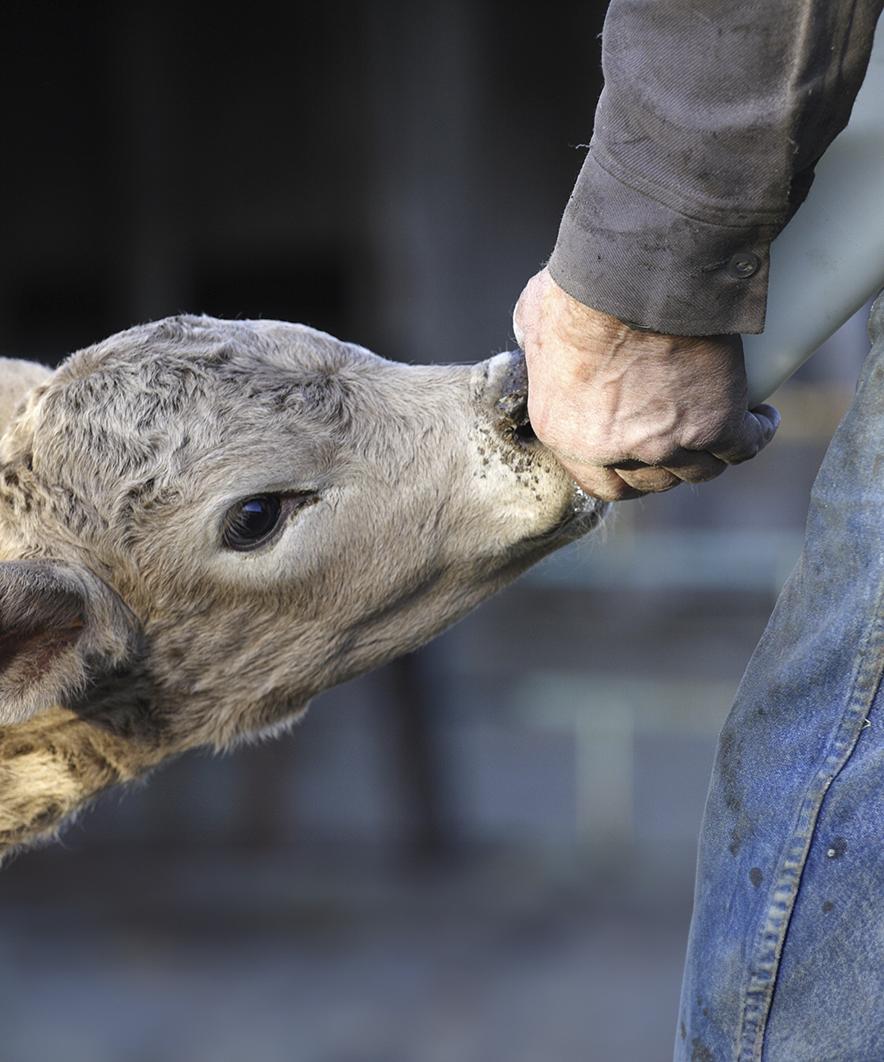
(755, 431)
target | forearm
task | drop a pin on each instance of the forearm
(706, 134)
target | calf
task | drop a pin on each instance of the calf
(204, 523)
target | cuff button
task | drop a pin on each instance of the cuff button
(743, 264)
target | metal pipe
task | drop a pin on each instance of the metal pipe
(829, 261)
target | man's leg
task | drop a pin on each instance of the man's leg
(786, 953)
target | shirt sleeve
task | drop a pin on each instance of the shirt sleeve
(713, 115)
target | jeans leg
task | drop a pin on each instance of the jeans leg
(786, 952)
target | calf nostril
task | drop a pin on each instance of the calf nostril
(512, 407)
(524, 431)
(513, 421)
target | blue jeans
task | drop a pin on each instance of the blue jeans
(786, 953)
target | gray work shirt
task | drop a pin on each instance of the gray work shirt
(713, 115)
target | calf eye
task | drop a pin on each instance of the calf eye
(251, 522)
(255, 521)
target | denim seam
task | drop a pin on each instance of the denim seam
(768, 949)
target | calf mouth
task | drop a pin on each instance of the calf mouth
(513, 424)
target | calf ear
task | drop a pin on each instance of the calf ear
(60, 628)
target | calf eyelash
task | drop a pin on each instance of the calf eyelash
(255, 521)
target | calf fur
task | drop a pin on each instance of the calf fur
(204, 523)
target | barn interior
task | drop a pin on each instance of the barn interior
(485, 850)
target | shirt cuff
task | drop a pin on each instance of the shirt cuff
(624, 253)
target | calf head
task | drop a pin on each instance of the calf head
(205, 523)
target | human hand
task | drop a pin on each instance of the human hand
(629, 412)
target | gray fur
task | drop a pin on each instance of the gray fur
(129, 631)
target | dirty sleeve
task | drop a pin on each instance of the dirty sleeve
(712, 117)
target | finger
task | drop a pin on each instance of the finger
(769, 419)
(518, 333)
(648, 479)
(603, 483)
(527, 308)
(695, 466)
(756, 430)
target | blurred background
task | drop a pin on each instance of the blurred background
(484, 851)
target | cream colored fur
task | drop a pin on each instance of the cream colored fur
(16, 379)
(134, 622)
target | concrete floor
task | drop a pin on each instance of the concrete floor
(116, 948)
(219, 955)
